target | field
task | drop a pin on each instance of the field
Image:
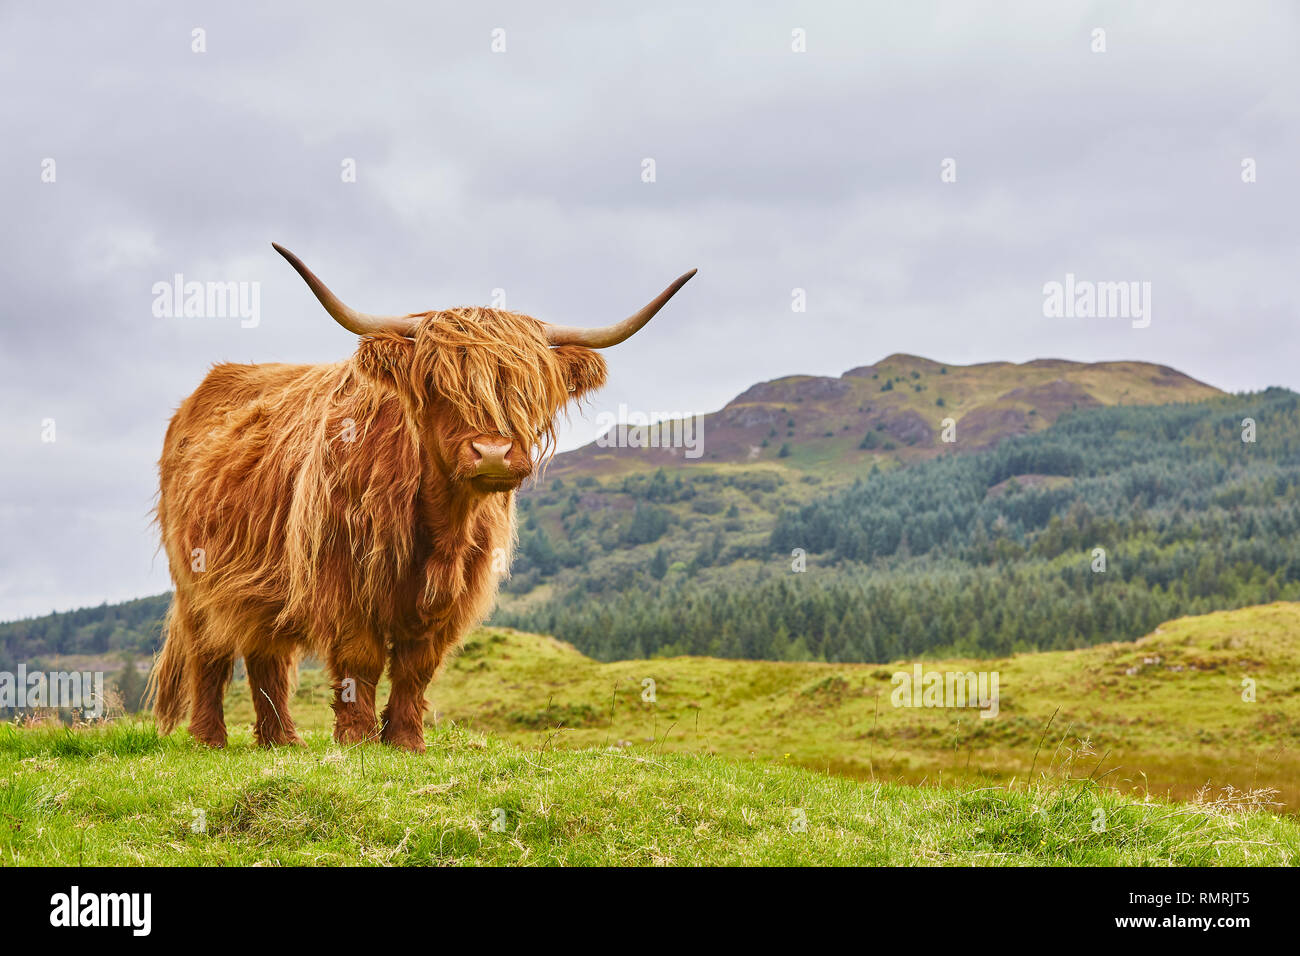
(123, 796)
(1161, 716)
(1119, 754)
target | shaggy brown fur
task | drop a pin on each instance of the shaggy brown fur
(335, 509)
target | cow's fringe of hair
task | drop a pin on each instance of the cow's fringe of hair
(495, 369)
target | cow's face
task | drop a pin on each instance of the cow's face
(485, 388)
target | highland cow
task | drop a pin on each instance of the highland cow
(362, 511)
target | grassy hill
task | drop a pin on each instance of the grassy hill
(727, 765)
(821, 422)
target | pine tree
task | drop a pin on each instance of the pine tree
(130, 685)
(659, 564)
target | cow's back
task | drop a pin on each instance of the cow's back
(227, 472)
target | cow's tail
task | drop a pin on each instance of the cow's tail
(168, 686)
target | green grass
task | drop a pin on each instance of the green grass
(124, 796)
(1121, 754)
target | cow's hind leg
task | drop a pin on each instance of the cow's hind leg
(412, 666)
(356, 666)
(270, 679)
(209, 674)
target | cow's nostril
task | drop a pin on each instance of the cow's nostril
(491, 455)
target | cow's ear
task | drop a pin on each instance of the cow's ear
(584, 369)
(386, 359)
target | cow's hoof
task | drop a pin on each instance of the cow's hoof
(213, 739)
(412, 742)
(352, 734)
(294, 741)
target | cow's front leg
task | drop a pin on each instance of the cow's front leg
(410, 668)
(356, 665)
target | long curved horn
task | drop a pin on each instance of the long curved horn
(359, 322)
(620, 331)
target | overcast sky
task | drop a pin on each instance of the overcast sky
(522, 170)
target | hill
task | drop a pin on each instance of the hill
(818, 424)
(982, 553)
(133, 627)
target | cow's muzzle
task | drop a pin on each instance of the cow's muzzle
(491, 460)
